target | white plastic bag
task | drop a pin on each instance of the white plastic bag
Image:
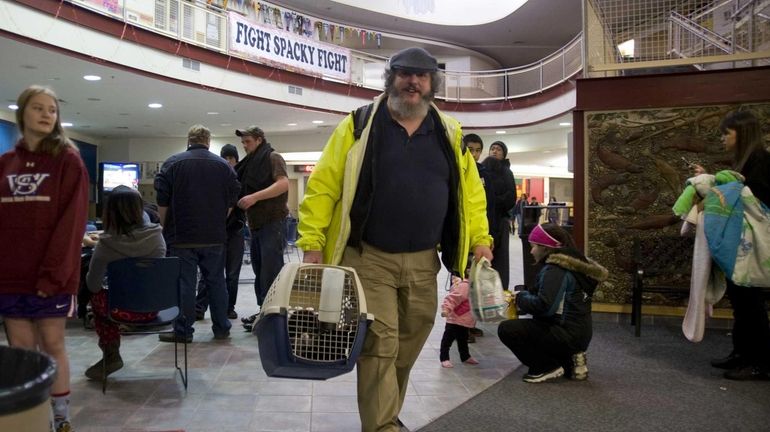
(486, 293)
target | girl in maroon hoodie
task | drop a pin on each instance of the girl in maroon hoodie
(43, 206)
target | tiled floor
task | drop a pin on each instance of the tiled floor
(229, 391)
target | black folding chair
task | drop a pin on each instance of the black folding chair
(147, 285)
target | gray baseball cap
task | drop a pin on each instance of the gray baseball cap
(254, 131)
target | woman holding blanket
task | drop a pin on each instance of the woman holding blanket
(750, 358)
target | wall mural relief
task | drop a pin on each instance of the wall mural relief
(637, 167)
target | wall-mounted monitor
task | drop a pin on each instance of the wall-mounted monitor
(113, 174)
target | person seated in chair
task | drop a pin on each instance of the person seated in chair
(126, 235)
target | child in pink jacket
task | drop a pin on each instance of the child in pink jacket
(456, 308)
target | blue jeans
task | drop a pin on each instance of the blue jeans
(211, 261)
(233, 262)
(267, 243)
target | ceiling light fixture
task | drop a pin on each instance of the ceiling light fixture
(92, 77)
(212, 113)
(500, 132)
(318, 121)
(155, 105)
(66, 124)
(13, 107)
(565, 124)
(291, 124)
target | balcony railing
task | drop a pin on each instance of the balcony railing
(207, 26)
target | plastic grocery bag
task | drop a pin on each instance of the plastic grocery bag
(486, 293)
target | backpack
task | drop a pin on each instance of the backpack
(360, 118)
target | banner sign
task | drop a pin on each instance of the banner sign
(287, 50)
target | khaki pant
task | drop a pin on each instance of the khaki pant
(401, 292)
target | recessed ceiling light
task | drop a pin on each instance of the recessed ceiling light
(212, 113)
(155, 105)
(66, 124)
(92, 77)
(291, 124)
(565, 124)
(500, 132)
(13, 107)
(318, 121)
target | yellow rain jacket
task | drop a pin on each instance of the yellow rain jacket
(324, 222)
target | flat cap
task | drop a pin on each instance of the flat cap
(414, 60)
(254, 131)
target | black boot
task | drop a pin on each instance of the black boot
(111, 358)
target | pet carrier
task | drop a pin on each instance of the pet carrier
(312, 323)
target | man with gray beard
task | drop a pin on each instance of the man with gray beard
(384, 202)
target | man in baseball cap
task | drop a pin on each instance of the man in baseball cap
(264, 198)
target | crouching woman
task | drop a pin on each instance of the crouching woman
(554, 341)
(126, 235)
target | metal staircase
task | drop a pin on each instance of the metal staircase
(745, 28)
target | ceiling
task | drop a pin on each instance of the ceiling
(116, 107)
(534, 31)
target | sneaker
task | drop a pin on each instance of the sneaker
(447, 364)
(476, 332)
(64, 426)
(471, 361)
(580, 366)
(248, 327)
(732, 361)
(232, 314)
(543, 377)
(200, 316)
(173, 337)
(747, 373)
(249, 319)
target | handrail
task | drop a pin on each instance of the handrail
(179, 21)
(705, 34)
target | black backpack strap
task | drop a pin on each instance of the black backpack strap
(360, 118)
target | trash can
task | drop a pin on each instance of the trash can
(25, 387)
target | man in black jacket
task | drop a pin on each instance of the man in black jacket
(196, 191)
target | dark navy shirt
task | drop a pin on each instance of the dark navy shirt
(411, 188)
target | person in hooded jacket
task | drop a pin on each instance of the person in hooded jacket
(43, 209)
(555, 340)
(126, 235)
(499, 172)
